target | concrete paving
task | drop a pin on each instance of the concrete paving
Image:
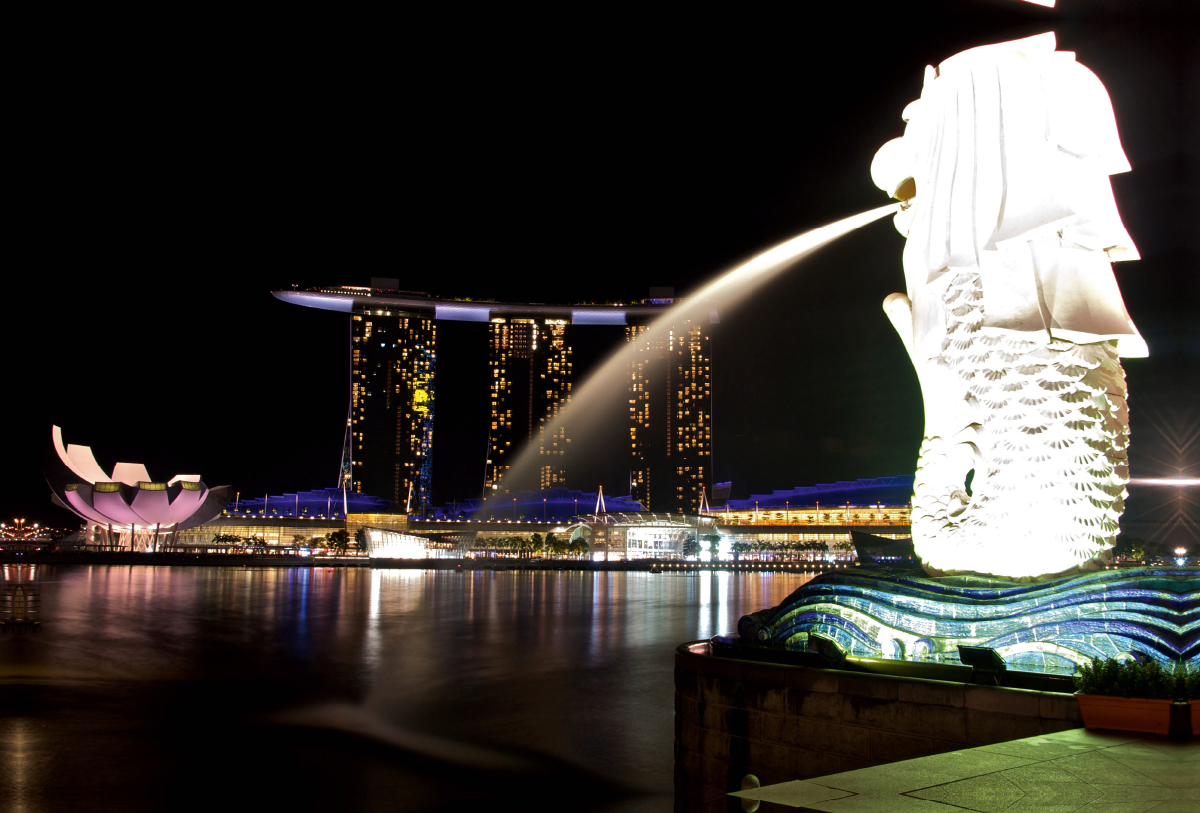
(1078, 770)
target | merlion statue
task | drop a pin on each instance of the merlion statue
(1012, 316)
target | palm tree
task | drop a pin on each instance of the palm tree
(226, 540)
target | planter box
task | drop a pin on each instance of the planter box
(1195, 704)
(1127, 713)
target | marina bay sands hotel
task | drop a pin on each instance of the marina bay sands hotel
(393, 392)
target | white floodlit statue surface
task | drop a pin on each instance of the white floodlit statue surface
(1012, 316)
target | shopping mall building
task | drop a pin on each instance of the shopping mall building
(613, 528)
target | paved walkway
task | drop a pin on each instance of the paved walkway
(1079, 770)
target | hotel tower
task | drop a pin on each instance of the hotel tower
(670, 416)
(389, 436)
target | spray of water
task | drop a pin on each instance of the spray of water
(591, 401)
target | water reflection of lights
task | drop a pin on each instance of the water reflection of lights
(713, 610)
(505, 656)
(602, 627)
(20, 745)
(371, 647)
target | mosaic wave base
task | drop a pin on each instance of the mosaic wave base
(1049, 626)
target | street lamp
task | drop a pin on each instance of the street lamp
(1180, 557)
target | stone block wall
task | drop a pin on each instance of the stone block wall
(779, 722)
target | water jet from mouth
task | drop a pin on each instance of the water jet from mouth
(590, 403)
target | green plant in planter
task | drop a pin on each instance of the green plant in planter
(1127, 679)
(1187, 682)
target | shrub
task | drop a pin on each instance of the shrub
(1132, 679)
(1126, 679)
(1187, 681)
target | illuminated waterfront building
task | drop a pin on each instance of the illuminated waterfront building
(389, 434)
(547, 504)
(530, 372)
(124, 505)
(642, 535)
(389, 544)
(392, 397)
(794, 525)
(322, 503)
(827, 512)
(877, 501)
(670, 413)
(285, 533)
(295, 520)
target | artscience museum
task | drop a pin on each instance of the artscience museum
(127, 508)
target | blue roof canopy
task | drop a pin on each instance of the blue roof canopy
(546, 503)
(323, 502)
(879, 490)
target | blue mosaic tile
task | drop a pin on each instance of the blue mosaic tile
(1048, 626)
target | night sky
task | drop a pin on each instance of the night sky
(528, 158)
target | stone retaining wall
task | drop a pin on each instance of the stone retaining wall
(779, 722)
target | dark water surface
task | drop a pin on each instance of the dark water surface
(169, 688)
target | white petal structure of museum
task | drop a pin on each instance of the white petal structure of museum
(128, 504)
